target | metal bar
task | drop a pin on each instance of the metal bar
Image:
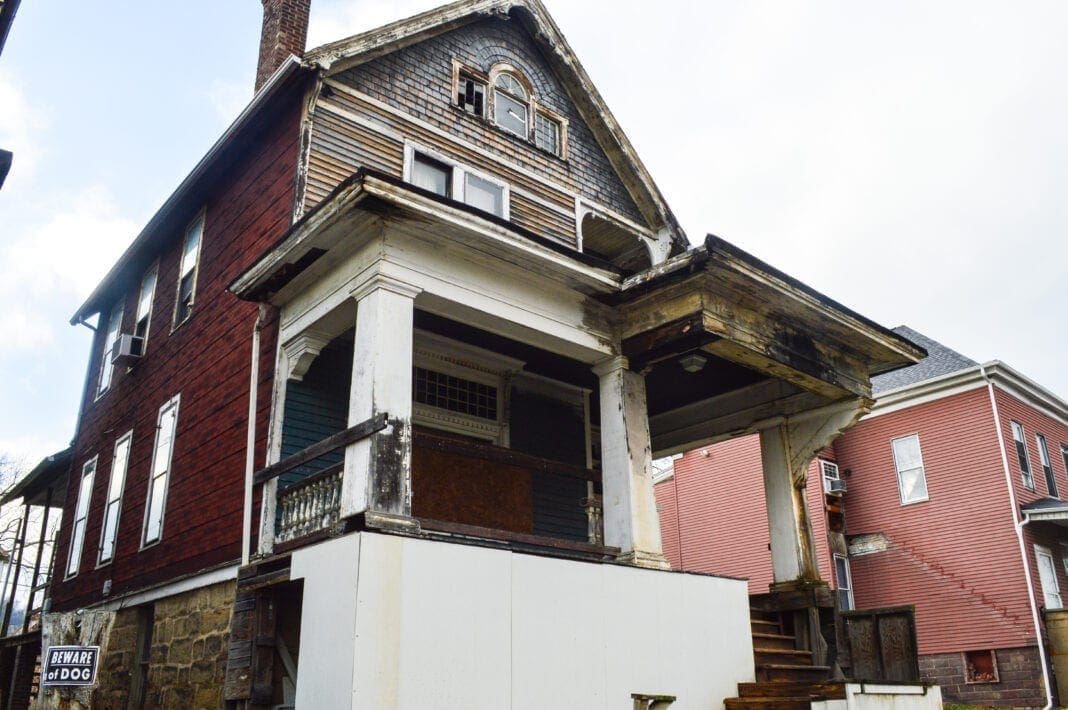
(37, 561)
(17, 568)
(343, 438)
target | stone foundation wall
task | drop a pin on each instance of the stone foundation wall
(189, 644)
(187, 657)
(1019, 681)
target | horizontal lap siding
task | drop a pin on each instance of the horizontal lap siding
(960, 540)
(558, 509)
(206, 361)
(723, 514)
(340, 146)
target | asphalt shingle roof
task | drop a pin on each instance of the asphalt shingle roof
(940, 361)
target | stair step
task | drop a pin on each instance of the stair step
(765, 627)
(791, 656)
(768, 703)
(759, 615)
(830, 689)
(775, 672)
(764, 640)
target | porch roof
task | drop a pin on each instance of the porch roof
(1046, 510)
(34, 485)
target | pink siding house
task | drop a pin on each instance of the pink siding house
(956, 503)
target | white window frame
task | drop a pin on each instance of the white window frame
(199, 221)
(81, 517)
(444, 355)
(561, 130)
(829, 471)
(111, 336)
(1023, 457)
(1051, 588)
(848, 588)
(164, 473)
(1047, 465)
(144, 313)
(457, 180)
(113, 503)
(899, 470)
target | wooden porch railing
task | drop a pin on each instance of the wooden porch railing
(314, 503)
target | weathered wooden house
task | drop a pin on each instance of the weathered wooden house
(947, 496)
(373, 397)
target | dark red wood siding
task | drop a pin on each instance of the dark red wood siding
(206, 361)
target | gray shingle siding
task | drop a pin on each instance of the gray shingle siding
(940, 361)
(418, 80)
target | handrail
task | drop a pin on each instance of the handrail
(312, 479)
(336, 441)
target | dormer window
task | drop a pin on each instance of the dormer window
(505, 99)
(510, 102)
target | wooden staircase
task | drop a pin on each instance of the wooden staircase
(786, 678)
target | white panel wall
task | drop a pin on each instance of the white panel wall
(439, 625)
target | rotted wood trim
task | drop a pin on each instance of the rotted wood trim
(492, 534)
(342, 438)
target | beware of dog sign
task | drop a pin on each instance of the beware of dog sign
(70, 665)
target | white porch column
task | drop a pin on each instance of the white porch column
(787, 448)
(631, 522)
(378, 469)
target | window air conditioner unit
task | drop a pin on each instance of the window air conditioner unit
(836, 486)
(127, 348)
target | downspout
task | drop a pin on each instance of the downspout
(1019, 524)
(250, 443)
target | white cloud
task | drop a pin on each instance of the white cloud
(19, 122)
(55, 259)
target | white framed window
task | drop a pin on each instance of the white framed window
(81, 515)
(506, 99)
(430, 170)
(843, 579)
(1047, 576)
(144, 310)
(459, 387)
(911, 479)
(111, 336)
(511, 104)
(1021, 453)
(160, 473)
(188, 268)
(1047, 465)
(831, 479)
(116, 483)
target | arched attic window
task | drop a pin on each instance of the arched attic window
(511, 103)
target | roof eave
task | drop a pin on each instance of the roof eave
(277, 83)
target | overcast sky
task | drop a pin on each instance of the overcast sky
(908, 159)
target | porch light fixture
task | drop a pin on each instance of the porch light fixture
(694, 362)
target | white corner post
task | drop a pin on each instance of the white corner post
(631, 522)
(787, 448)
(378, 469)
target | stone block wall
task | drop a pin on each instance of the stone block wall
(1019, 679)
(187, 664)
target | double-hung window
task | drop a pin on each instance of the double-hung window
(444, 177)
(109, 530)
(844, 582)
(1047, 465)
(832, 482)
(1064, 455)
(81, 514)
(1021, 453)
(144, 311)
(111, 336)
(911, 479)
(187, 273)
(166, 426)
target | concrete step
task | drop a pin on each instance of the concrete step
(767, 703)
(787, 656)
(775, 672)
(829, 689)
(768, 640)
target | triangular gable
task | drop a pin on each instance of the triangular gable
(339, 56)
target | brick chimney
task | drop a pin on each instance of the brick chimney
(285, 30)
